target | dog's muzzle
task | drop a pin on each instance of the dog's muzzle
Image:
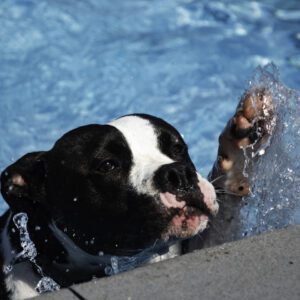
(188, 197)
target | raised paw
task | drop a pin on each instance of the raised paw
(244, 138)
(254, 119)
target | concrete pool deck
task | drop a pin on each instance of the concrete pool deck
(261, 267)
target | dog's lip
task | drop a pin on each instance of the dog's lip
(171, 200)
(190, 212)
(176, 204)
(186, 222)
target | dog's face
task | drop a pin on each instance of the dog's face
(122, 185)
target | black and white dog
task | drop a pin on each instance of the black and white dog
(104, 191)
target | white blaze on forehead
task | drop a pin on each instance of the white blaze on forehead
(147, 158)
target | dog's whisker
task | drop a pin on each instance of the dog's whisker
(199, 234)
(217, 178)
(222, 191)
(155, 242)
(57, 219)
(219, 200)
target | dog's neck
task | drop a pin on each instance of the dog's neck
(74, 264)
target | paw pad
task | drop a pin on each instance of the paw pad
(248, 130)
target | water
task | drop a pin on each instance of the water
(68, 63)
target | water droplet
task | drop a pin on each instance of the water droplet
(47, 284)
(7, 269)
(114, 264)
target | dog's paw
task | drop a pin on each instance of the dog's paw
(254, 120)
(245, 136)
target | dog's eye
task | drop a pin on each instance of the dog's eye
(178, 149)
(107, 166)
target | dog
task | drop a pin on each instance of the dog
(115, 188)
(104, 192)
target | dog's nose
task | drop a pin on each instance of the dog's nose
(175, 177)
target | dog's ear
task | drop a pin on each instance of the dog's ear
(24, 181)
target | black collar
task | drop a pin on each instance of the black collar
(80, 265)
(111, 264)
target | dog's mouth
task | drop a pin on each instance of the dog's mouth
(186, 220)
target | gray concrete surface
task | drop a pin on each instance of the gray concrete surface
(261, 267)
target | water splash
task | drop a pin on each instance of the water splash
(45, 284)
(121, 264)
(275, 176)
(29, 249)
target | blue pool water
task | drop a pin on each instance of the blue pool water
(68, 63)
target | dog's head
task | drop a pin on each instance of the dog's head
(122, 185)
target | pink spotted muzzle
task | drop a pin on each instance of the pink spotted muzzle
(190, 210)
